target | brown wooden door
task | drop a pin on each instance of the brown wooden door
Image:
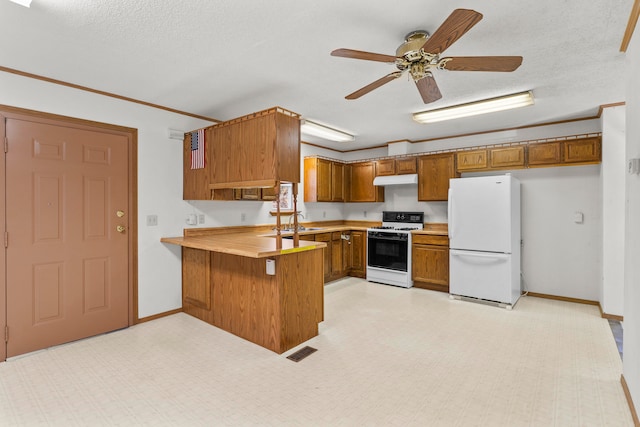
(67, 264)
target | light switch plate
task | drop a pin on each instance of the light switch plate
(152, 220)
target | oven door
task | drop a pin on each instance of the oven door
(388, 250)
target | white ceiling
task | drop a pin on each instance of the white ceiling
(225, 59)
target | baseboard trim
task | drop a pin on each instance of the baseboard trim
(627, 394)
(159, 315)
(579, 301)
(567, 299)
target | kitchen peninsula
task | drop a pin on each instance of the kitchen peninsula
(227, 281)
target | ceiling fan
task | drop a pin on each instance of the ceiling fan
(420, 53)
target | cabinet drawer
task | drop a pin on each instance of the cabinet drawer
(507, 157)
(430, 239)
(472, 160)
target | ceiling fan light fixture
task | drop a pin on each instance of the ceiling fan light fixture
(325, 132)
(491, 105)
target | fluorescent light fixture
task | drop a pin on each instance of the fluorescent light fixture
(25, 3)
(321, 131)
(492, 105)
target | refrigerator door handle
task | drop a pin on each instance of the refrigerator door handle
(493, 255)
(450, 213)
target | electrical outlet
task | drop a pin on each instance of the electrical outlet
(201, 219)
(243, 217)
(152, 220)
(324, 214)
(365, 214)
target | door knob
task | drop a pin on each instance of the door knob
(120, 229)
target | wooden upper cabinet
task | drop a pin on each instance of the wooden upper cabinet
(507, 157)
(406, 166)
(256, 150)
(548, 153)
(587, 150)
(434, 172)
(385, 167)
(472, 160)
(195, 182)
(324, 180)
(361, 183)
(337, 182)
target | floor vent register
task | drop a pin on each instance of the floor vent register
(302, 353)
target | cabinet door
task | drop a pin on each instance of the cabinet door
(336, 256)
(508, 157)
(326, 237)
(406, 166)
(430, 266)
(337, 182)
(544, 154)
(434, 173)
(362, 188)
(196, 283)
(582, 151)
(317, 180)
(385, 167)
(358, 253)
(195, 182)
(472, 160)
(346, 252)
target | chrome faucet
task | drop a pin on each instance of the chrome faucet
(290, 226)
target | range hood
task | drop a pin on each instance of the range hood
(396, 179)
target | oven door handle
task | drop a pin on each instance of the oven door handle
(390, 238)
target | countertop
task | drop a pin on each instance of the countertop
(260, 242)
(243, 244)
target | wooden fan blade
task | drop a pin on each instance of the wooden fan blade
(359, 54)
(483, 63)
(455, 26)
(371, 86)
(428, 89)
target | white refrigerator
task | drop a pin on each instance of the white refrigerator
(484, 238)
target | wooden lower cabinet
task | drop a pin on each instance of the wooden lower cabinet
(326, 237)
(358, 248)
(234, 293)
(430, 262)
(337, 270)
(343, 257)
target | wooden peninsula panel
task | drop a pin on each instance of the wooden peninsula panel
(276, 312)
(225, 283)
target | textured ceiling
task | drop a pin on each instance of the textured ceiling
(224, 59)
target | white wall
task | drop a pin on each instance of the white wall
(613, 207)
(632, 229)
(159, 175)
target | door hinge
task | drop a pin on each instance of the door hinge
(6, 333)
(6, 239)
(6, 144)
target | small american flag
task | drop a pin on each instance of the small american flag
(197, 149)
